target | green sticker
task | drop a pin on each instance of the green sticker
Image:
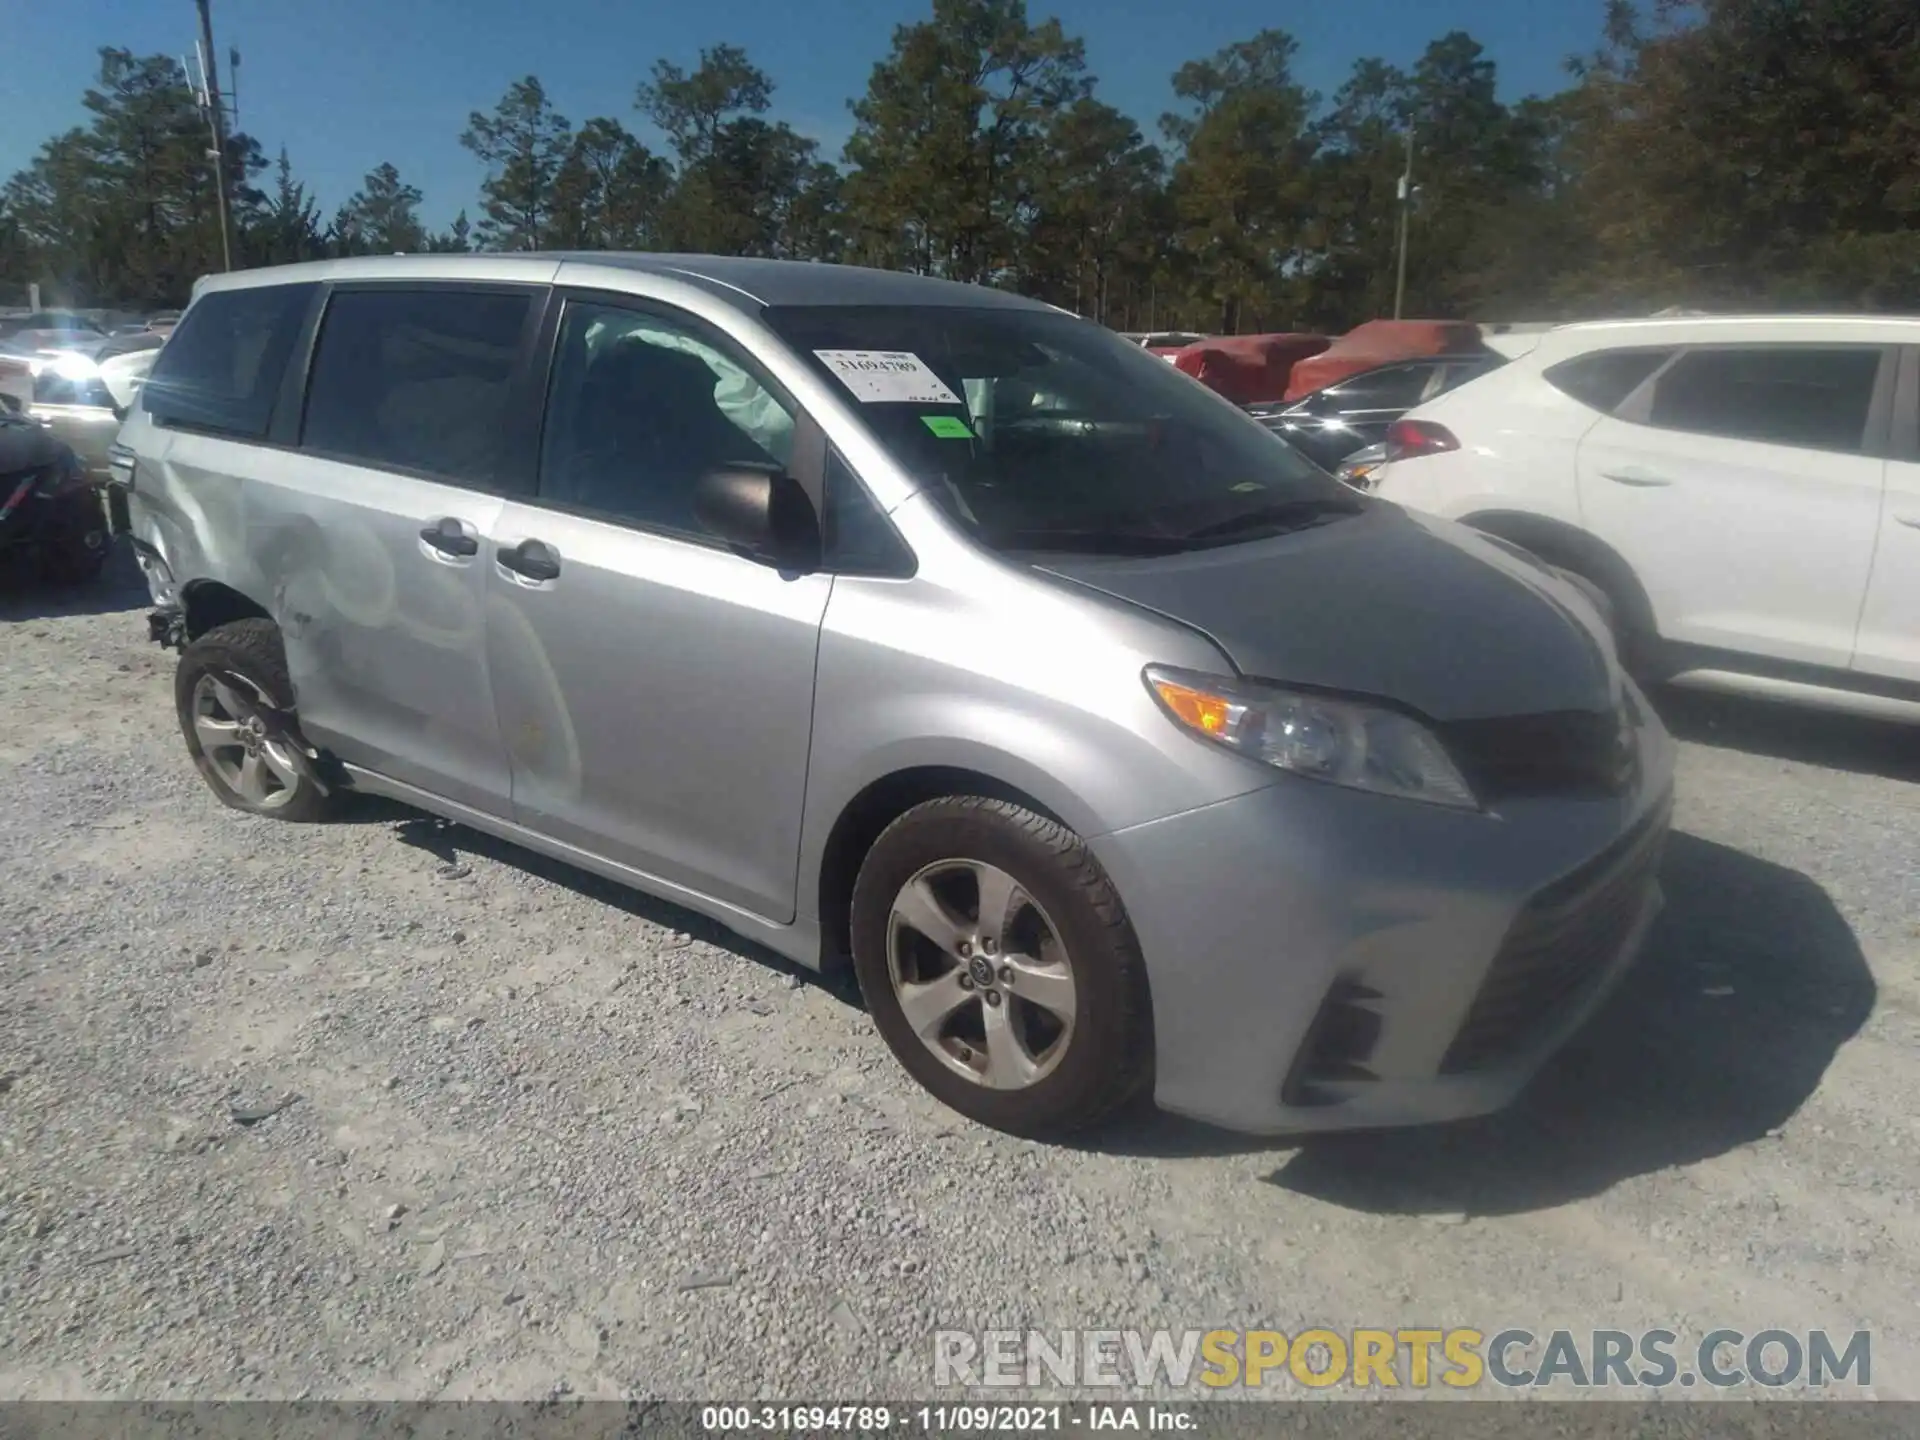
(947, 427)
(1248, 487)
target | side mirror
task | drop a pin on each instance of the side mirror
(763, 514)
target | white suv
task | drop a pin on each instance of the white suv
(1744, 493)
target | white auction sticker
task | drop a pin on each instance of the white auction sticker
(888, 377)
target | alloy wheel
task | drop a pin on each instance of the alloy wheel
(248, 754)
(981, 974)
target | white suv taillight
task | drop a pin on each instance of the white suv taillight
(1410, 439)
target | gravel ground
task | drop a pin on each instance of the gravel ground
(554, 1138)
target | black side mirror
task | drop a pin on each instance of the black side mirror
(763, 514)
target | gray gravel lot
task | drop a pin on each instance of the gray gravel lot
(555, 1138)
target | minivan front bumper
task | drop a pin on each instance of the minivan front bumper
(1322, 958)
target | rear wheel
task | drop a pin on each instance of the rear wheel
(1000, 968)
(235, 704)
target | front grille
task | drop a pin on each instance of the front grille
(1565, 754)
(1557, 946)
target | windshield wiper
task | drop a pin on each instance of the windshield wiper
(1282, 517)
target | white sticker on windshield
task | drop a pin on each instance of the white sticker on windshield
(888, 377)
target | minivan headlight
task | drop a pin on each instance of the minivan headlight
(1343, 742)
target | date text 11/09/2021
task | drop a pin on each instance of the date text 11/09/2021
(944, 1419)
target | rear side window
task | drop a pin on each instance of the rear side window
(1810, 397)
(1602, 381)
(416, 380)
(221, 369)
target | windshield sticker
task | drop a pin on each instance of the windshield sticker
(888, 377)
(946, 427)
(1248, 487)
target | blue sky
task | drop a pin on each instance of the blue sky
(346, 84)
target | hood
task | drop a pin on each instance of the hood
(1388, 604)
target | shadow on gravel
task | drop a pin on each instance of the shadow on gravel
(1749, 984)
(1791, 732)
(119, 586)
(1751, 981)
(448, 843)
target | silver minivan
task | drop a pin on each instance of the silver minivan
(918, 626)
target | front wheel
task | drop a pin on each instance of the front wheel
(1000, 968)
(235, 704)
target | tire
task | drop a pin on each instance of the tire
(75, 553)
(1017, 1049)
(232, 681)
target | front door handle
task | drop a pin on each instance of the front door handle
(1640, 479)
(448, 536)
(531, 559)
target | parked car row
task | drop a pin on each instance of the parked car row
(1739, 495)
(77, 382)
(1330, 425)
(1331, 398)
(1743, 492)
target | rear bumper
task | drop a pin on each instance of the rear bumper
(1324, 959)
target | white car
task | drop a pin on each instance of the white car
(1742, 492)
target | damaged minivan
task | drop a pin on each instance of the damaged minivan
(915, 626)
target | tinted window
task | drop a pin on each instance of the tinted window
(1038, 431)
(640, 408)
(1813, 398)
(1605, 379)
(415, 379)
(221, 368)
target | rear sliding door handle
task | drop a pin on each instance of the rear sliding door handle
(1912, 522)
(1636, 477)
(531, 559)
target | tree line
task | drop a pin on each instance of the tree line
(1706, 153)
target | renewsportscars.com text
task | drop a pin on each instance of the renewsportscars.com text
(1363, 1359)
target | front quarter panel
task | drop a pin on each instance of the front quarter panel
(1026, 681)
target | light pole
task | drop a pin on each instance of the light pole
(216, 119)
(1406, 213)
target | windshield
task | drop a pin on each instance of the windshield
(1040, 431)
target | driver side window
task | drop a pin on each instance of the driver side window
(640, 408)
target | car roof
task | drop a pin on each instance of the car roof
(1577, 338)
(745, 282)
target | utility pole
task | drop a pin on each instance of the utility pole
(1406, 214)
(217, 123)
